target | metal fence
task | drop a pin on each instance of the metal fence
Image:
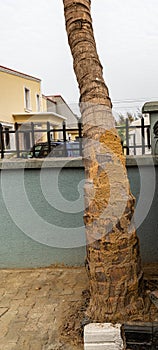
(128, 134)
(21, 133)
(135, 139)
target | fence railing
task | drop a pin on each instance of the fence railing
(24, 138)
(135, 139)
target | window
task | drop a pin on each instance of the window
(27, 98)
(38, 102)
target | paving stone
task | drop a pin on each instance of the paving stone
(8, 346)
(11, 336)
(14, 331)
(3, 310)
(9, 316)
(3, 330)
(13, 305)
(23, 347)
(22, 294)
(2, 292)
(31, 302)
(5, 302)
(24, 310)
(36, 345)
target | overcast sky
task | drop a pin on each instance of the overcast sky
(33, 41)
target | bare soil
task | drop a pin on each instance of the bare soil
(73, 320)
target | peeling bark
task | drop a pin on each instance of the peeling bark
(113, 259)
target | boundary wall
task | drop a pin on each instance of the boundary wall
(41, 211)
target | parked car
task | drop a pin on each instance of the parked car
(57, 149)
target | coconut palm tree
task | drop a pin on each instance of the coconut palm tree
(113, 259)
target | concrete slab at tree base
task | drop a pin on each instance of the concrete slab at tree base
(101, 346)
(102, 336)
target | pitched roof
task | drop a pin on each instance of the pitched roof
(19, 74)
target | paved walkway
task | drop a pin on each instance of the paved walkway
(32, 303)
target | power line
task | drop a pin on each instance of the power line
(135, 100)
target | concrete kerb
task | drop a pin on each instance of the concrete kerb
(103, 336)
(10, 164)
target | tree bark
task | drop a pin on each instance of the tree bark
(113, 258)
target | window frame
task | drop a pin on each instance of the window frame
(38, 107)
(27, 99)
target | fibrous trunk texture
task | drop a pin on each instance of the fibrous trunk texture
(113, 258)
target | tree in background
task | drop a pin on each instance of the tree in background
(113, 258)
(121, 122)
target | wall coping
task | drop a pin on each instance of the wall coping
(145, 160)
(10, 164)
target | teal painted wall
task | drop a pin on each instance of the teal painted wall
(55, 203)
(18, 249)
(144, 186)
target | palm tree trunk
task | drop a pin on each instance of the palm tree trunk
(113, 259)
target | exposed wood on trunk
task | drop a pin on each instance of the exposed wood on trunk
(113, 258)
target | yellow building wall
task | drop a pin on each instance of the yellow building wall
(44, 104)
(12, 98)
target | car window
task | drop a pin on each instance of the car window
(58, 149)
(38, 147)
(73, 149)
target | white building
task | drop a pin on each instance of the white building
(135, 137)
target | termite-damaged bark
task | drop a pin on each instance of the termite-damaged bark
(113, 258)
